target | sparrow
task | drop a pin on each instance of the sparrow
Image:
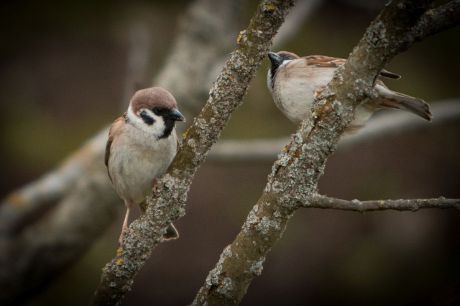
(141, 145)
(294, 82)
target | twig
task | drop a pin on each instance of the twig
(325, 202)
(168, 200)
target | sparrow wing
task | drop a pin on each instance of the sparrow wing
(114, 129)
(334, 62)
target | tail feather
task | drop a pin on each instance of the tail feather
(393, 99)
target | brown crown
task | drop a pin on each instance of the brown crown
(152, 97)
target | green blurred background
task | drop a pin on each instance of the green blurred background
(62, 72)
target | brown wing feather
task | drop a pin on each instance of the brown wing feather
(114, 129)
(334, 62)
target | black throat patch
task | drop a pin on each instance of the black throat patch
(169, 126)
(272, 72)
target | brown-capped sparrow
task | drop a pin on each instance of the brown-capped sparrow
(294, 81)
(141, 145)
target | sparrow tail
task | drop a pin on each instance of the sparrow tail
(393, 99)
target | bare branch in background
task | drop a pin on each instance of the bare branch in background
(295, 175)
(21, 206)
(390, 123)
(167, 202)
(294, 21)
(137, 62)
(196, 47)
(325, 202)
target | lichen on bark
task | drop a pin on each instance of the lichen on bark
(294, 178)
(167, 201)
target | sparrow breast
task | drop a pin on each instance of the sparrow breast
(135, 161)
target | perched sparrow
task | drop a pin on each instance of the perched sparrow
(141, 145)
(294, 81)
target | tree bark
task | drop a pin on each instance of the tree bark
(167, 203)
(295, 175)
(34, 249)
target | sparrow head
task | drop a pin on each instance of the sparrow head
(154, 111)
(277, 60)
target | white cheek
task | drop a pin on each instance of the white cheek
(156, 129)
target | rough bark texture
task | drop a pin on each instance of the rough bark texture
(294, 177)
(324, 202)
(91, 207)
(167, 203)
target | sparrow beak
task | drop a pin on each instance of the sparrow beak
(274, 58)
(176, 115)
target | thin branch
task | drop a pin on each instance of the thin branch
(139, 49)
(167, 202)
(391, 123)
(295, 19)
(325, 202)
(21, 206)
(295, 175)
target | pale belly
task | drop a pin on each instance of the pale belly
(133, 169)
(295, 96)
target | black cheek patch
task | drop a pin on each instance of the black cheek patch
(146, 118)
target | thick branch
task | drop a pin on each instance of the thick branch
(325, 202)
(168, 200)
(295, 175)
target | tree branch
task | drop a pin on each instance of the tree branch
(89, 208)
(196, 48)
(295, 175)
(391, 123)
(325, 202)
(167, 202)
(437, 20)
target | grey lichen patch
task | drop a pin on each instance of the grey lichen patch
(376, 35)
(256, 266)
(265, 225)
(251, 220)
(226, 287)
(227, 252)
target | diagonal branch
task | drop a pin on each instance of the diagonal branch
(79, 191)
(437, 20)
(295, 175)
(167, 202)
(325, 202)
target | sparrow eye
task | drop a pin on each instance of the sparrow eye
(157, 111)
(146, 118)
